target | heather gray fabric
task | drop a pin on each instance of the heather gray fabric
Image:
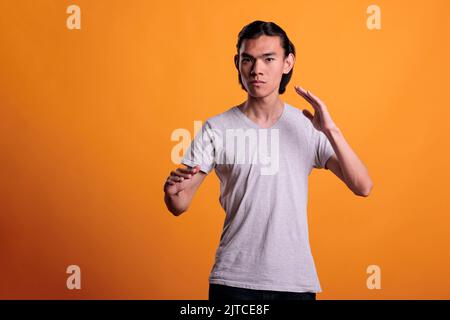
(264, 243)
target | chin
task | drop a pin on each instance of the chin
(258, 93)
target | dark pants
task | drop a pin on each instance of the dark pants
(219, 292)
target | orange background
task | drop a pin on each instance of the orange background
(86, 118)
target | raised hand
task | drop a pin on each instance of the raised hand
(321, 118)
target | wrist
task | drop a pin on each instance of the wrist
(332, 131)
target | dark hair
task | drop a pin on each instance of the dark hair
(258, 28)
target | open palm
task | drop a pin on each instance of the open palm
(321, 118)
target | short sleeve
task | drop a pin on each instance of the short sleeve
(323, 149)
(201, 150)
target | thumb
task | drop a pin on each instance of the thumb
(308, 114)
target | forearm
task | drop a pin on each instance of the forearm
(353, 170)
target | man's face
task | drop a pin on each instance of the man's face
(263, 59)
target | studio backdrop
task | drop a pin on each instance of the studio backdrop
(99, 100)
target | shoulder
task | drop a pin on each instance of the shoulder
(296, 117)
(223, 119)
(304, 126)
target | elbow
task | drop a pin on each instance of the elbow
(364, 192)
(177, 212)
(174, 208)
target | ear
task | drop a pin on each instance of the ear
(236, 61)
(289, 62)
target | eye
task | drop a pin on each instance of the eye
(270, 58)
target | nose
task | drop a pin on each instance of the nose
(256, 68)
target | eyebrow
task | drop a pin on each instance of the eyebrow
(245, 54)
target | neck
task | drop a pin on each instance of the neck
(263, 109)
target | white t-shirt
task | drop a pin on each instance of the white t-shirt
(264, 191)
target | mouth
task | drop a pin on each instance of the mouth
(256, 83)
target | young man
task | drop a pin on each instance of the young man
(264, 250)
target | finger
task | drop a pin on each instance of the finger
(308, 114)
(184, 175)
(302, 91)
(304, 94)
(190, 169)
(195, 169)
(168, 182)
(184, 170)
(308, 98)
(315, 102)
(169, 179)
(314, 97)
(176, 178)
(180, 174)
(308, 95)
